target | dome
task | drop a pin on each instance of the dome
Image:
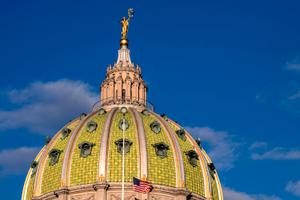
(96, 155)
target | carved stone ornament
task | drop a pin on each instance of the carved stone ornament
(145, 112)
(211, 166)
(91, 126)
(198, 141)
(212, 171)
(161, 149)
(181, 134)
(85, 149)
(127, 145)
(192, 157)
(123, 110)
(83, 115)
(101, 111)
(155, 127)
(47, 140)
(164, 116)
(83, 197)
(65, 133)
(54, 156)
(33, 166)
(123, 124)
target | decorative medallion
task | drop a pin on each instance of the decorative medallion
(212, 171)
(85, 149)
(101, 111)
(123, 124)
(161, 149)
(164, 116)
(47, 140)
(127, 145)
(33, 166)
(91, 126)
(83, 115)
(123, 110)
(181, 134)
(65, 133)
(198, 141)
(54, 156)
(145, 112)
(192, 157)
(155, 127)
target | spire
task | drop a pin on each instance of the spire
(124, 55)
(123, 84)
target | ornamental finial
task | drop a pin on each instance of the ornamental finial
(125, 24)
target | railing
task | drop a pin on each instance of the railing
(99, 104)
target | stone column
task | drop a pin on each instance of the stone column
(141, 93)
(101, 191)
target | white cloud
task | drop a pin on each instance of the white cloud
(295, 96)
(222, 148)
(293, 66)
(277, 153)
(16, 161)
(44, 107)
(257, 145)
(293, 187)
(230, 194)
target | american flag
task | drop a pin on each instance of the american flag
(141, 186)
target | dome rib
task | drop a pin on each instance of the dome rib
(102, 172)
(142, 145)
(28, 188)
(202, 160)
(42, 166)
(66, 168)
(84, 170)
(180, 175)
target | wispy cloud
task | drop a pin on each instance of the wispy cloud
(293, 187)
(293, 65)
(43, 107)
(277, 153)
(258, 145)
(222, 147)
(16, 161)
(230, 194)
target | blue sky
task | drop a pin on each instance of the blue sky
(227, 71)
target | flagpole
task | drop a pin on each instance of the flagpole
(123, 156)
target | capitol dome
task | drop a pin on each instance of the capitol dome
(96, 155)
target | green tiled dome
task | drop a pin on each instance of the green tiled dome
(83, 161)
(173, 169)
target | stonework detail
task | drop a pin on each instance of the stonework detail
(123, 83)
(84, 197)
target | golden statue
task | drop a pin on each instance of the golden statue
(125, 23)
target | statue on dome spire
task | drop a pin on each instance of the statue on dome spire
(125, 24)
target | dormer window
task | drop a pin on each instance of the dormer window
(91, 126)
(85, 149)
(155, 127)
(161, 149)
(65, 133)
(54, 156)
(33, 166)
(181, 134)
(127, 145)
(123, 124)
(192, 157)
